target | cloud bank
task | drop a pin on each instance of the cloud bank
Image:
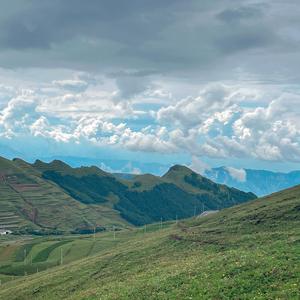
(196, 81)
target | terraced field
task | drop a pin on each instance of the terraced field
(23, 256)
(9, 220)
(29, 201)
(11, 205)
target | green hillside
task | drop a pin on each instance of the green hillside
(146, 198)
(46, 198)
(250, 251)
(29, 202)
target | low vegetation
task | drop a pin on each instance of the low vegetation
(250, 251)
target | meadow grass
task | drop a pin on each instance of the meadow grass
(249, 251)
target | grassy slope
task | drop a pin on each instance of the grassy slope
(11, 202)
(250, 251)
(29, 200)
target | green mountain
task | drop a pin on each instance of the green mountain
(249, 251)
(29, 202)
(145, 198)
(54, 197)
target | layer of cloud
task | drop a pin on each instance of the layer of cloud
(206, 79)
(201, 40)
(219, 122)
(72, 84)
(237, 174)
(198, 165)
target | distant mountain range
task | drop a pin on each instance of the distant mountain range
(259, 182)
(113, 165)
(54, 197)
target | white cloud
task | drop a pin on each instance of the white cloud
(19, 112)
(42, 128)
(212, 103)
(237, 174)
(198, 165)
(272, 132)
(127, 168)
(221, 122)
(75, 85)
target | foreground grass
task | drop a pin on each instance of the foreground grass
(248, 252)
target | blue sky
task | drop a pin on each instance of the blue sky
(202, 83)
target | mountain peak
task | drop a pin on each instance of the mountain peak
(55, 164)
(178, 170)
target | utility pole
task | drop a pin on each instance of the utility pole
(25, 254)
(161, 220)
(61, 256)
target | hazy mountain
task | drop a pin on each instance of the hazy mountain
(113, 165)
(259, 182)
(8, 152)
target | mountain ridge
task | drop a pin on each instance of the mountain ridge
(86, 197)
(260, 182)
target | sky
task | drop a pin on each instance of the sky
(202, 83)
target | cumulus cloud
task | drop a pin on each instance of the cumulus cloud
(220, 121)
(211, 104)
(59, 133)
(214, 124)
(237, 174)
(272, 132)
(19, 112)
(127, 168)
(23, 116)
(198, 165)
